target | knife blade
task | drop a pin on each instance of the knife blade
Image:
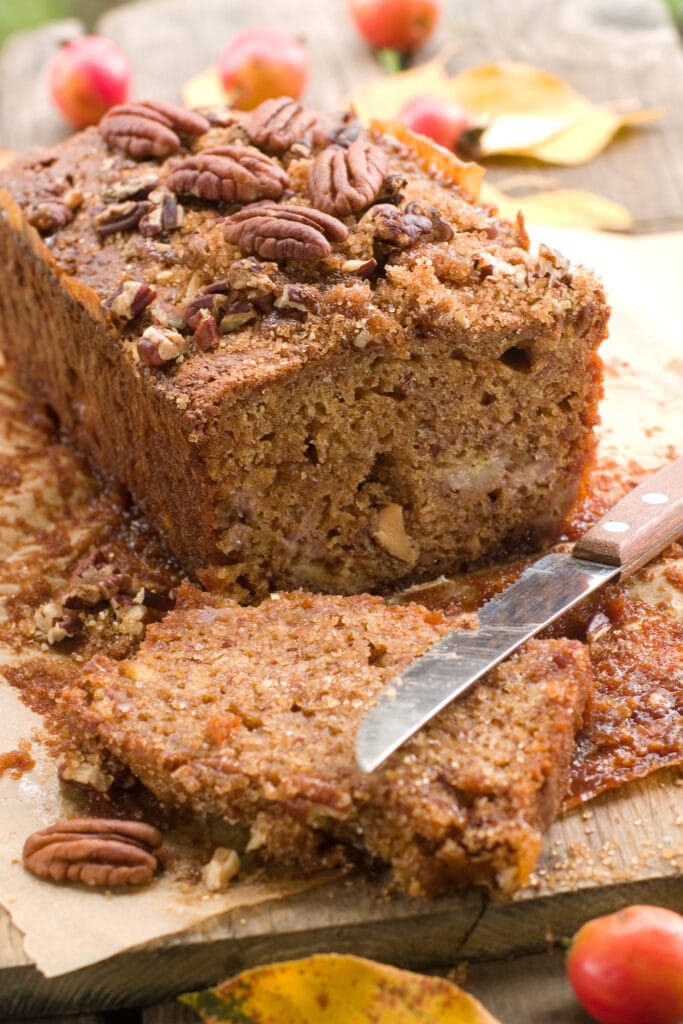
(636, 529)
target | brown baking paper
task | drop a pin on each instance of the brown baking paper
(69, 928)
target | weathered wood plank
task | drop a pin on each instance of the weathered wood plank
(81, 1018)
(587, 869)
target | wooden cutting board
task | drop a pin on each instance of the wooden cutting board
(626, 846)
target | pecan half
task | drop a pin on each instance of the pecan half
(284, 232)
(159, 346)
(96, 852)
(150, 128)
(239, 174)
(344, 181)
(49, 216)
(277, 124)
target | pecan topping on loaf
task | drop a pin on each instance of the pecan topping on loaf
(394, 228)
(277, 124)
(165, 214)
(150, 128)
(96, 852)
(132, 299)
(284, 232)
(159, 346)
(120, 216)
(49, 216)
(240, 174)
(344, 181)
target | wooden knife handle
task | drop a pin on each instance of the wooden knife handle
(640, 525)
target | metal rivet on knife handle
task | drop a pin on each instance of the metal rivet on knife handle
(640, 525)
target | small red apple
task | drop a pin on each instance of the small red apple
(88, 76)
(401, 25)
(439, 118)
(261, 64)
(627, 967)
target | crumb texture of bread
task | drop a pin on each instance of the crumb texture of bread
(251, 714)
(298, 398)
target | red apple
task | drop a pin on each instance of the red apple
(627, 968)
(88, 76)
(401, 25)
(440, 119)
(261, 64)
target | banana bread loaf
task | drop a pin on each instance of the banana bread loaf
(251, 713)
(313, 357)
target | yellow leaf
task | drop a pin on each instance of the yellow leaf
(205, 90)
(562, 207)
(586, 138)
(466, 176)
(332, 989)
(523, 110)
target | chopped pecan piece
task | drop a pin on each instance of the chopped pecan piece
(150, 128)
(361, 268)
(398, 229)
(239, 174)
(165, 215)
(159, 346)
(344, 181)
(284, 232)
(138, 186)
(206, 332)
(120, 217)
(441, 229)
(236, 316)
(277, 124)
(298, 297)
(552, 265)
(93, 851)
(133, 297)
(49, 216)
(346, 131)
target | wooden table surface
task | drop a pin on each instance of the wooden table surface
(608, 49)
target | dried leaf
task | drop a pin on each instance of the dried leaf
(467, 176)
(205, 90)
(562, 207)
(524, 110)
(332, 989)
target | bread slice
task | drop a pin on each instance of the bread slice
(251, 714)
(352, 385)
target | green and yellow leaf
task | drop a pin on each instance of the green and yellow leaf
(523, 110)
(332, 989)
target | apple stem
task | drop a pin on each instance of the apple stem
(390, 60)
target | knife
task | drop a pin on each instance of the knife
(635, 530)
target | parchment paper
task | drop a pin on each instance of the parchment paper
(68, 928)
